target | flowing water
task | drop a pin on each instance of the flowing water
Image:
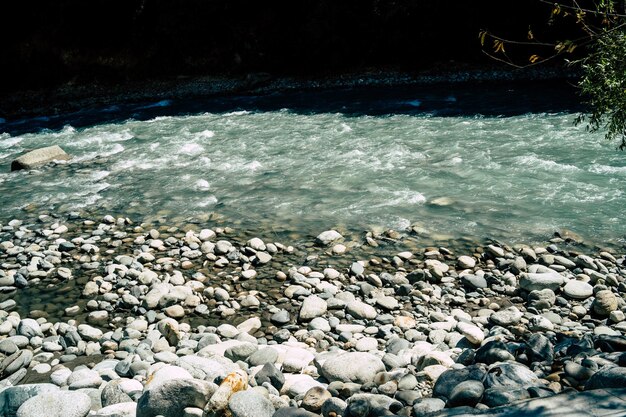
(483, 162)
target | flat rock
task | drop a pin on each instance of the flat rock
(539, 281)
(506, 316)
(328, 237)
(39, 157)
(578, 290)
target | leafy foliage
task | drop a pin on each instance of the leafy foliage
(604, 86)
(602, 27)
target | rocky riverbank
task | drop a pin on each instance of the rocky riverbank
(184, 321)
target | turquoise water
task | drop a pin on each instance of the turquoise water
(518, 178)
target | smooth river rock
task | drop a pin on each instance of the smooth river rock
(56, 404)
(358, 367)
(39, 157)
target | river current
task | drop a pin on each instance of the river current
(480, 163)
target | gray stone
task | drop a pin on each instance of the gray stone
(334, 405)
(127, 409)
(427, 406)
(466, 262)
(315, 398)
(113, 394)
(263, 356)
(170, 398)
(495, 397)
(29, 328)
(39, 157)
(471, 332)
(56, 404)
(578, 372)
(313, 306)
(358, 367)
(607, 378)
(474, 281)
(269, 373)
(362, 405)
(12, 398)
(357, 268)
(240, 352)
(539, 348)
(328, 237)
(8, 347)
(541, 299)
(451, 378)
(18, 360)
(506, 316)
(280, 317)
(539, 281)
(293, 412)
(84, 378)
(250, 404)
(510, 375)
(578, 290)
(466, 393)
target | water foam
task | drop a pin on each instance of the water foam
(545, 164)
(205, 134)
(202, 185)
(607, 169)
(191, 149)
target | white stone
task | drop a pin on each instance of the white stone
(328, 237)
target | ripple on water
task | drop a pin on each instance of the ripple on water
(534, 161)
(505, 176)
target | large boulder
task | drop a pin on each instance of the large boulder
(359, 367)
(607, 378)
(510, 375)
(250, 404)
(170, 398)
(56, 404)
(12, 398)
(39, 157)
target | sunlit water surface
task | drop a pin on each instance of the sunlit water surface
(517, 177)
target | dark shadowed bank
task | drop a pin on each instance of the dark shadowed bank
(69, 49)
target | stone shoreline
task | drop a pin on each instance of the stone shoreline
(200, 322)
(70, 98)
